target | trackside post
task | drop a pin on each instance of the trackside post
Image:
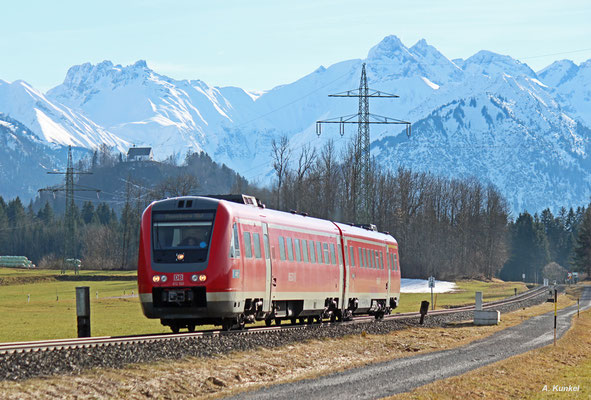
(83, 310)
(424, 310)
(555, 312)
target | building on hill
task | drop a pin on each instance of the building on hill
(140, 154)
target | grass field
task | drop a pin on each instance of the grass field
(51, 310)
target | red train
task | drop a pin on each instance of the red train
(227, 260)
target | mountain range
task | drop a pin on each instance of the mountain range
(489, 116)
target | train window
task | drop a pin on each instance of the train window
(347, 255)
(234, 243)
(365, 263)
(361, 264)
(247, 245)
(312, 252)
(305, 249)
(325, 253)
(391, 261)
(298, 253)
(257, 245)
(381, 260)
(332, 255)
(282, 248)
(289, 249)
(396, 261)
(187, 232)
(319, 253)
(388, 260)
(352, 251)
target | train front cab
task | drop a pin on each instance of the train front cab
(185, 274)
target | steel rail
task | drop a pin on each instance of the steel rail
(72, 343)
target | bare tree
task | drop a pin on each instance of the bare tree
(281, 154)
(174, 186)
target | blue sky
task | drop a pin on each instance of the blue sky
(260, 44)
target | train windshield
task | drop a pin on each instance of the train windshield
(182, 231)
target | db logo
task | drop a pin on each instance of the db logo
(177, 277)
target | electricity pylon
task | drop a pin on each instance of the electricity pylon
(363, 118)
(70, 217)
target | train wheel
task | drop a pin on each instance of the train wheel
(348, 315)
(227, 324)
(191, 327)
(294, 321)
(175, 328)
(268, 321)
(310, 320)
(333, 317)
(302, 321)
(319, 319)
(277, 321)
(241, 322)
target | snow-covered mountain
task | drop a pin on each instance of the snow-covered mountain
(51, 121)
(490, 116)
(25, 160)
(146, 108)
(571, 85)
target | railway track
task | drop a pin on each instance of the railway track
(105, 341)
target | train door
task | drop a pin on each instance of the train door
(267, 301)
(389, 264)
(346, 272)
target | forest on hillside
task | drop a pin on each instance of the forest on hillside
(449, 228)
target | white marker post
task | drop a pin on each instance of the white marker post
(432, 285)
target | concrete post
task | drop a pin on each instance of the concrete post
(478, 301)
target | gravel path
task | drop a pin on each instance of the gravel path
(402, 375)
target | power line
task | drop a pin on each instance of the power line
(70, 220)
(362, 156)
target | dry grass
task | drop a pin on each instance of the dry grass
(223, 375)
(525, 376)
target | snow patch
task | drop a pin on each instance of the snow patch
(422, 286)
(432, 85)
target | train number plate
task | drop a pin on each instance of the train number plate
(176, 296)
(177, 277)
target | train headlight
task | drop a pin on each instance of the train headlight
(202, 278)
(163, 278)
(156, 278)
(194, 278)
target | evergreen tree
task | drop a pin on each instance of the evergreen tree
(46, 214)
(88, 214)
(529, 250)
(582, 251)
(103, 212)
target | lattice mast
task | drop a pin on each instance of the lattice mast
(363, 118)
(70, 215)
